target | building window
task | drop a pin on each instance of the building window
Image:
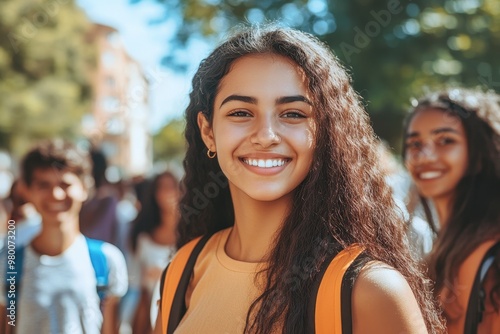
(110, 104)
(108, 59)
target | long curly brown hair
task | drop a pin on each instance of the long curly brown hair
(343, 199)
(475, 213)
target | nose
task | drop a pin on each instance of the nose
(58, 193)
(266, 134)
(427, 154)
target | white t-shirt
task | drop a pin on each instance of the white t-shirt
(58, 293)
(152, 258)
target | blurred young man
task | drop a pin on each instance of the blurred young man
(59, 284)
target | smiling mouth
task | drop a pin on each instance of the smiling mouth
(57, 207)
(430, 175)
(265, 163)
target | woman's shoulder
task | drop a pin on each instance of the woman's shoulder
(472, 262)
(383, 302)
(380, 277)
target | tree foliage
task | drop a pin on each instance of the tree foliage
(169, 143)
(44, 66)
(393, 48)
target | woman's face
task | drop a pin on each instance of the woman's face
(436, 152)
(167, 193)
(263, 128)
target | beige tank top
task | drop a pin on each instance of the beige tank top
(220, 291)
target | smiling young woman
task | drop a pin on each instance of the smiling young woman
(452, 150)
(273, 113)
(436, 156)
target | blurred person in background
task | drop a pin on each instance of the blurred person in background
(23, 213)
(60, 288)
(153, 239)
(6, 180)
(452, 151)
(98, 217)
(420, 235)
(141, 184)
(126, 213)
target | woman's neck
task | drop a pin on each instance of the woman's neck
(255, 228)
(169, 218)
(165, 233)
(443, 208)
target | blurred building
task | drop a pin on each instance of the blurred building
(119, 120)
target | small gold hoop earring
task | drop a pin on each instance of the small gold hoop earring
(211, 154)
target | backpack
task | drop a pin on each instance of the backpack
(329, 304)
(97, 258)
(476, 305)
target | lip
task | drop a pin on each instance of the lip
(57, 207)
(265, 165)
(429, 174)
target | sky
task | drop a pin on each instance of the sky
(147, 44)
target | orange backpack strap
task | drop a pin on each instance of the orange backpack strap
(175, 281)
(476, 305)
(332, 313)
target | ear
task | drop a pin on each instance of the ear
(207, 134)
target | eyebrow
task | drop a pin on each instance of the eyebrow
(253, 100)
(434, 132)
(241, 98)
(294, 98)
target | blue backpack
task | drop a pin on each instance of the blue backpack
(97, 258)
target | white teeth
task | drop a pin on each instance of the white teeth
(265, 163)
(430, 175)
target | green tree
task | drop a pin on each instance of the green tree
(169, 143)
(44, 66)
(393, 48)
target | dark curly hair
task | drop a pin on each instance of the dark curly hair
(343, 199)
(58, 154)
(475, 213)
(149, 217)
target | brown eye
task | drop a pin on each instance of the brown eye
(293, 114)
(413, 145)
(446, 141)
(240, 113)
